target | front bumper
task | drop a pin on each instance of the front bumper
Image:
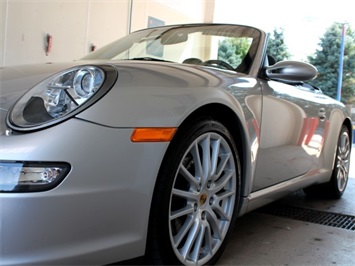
(98, 214)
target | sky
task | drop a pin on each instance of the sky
(304, 21)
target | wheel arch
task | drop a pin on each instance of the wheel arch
(230, 119)
(349, 125)
(334, 187)
(234, 124)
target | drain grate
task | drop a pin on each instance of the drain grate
(312, 216)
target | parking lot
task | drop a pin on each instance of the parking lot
(297, 230)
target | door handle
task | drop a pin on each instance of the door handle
(322, 114)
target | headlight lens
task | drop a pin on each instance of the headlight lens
(31, 177)
(59, 96)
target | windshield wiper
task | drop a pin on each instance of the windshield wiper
(148, 59)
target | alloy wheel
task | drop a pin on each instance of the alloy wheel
(202, 199)
(343, 160)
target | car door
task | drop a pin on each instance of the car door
(292, 128)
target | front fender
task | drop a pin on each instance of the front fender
(157, 95)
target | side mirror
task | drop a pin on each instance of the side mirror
(291, 71)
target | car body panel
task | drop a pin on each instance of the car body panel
(94, 179)
(292, 132)
(171, 98)
(99, 214)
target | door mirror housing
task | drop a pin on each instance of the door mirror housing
(291, 71)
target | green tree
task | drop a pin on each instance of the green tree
(276, 45)
(226, 52)
(233, 50)
(326, 60)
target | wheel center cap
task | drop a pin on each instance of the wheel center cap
(203, 199)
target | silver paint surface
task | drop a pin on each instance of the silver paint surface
(99, 213)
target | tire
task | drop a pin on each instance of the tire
(335, 188)
(196, 197)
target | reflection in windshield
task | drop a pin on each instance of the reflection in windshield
(228, 46)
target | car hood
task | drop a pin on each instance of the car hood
(17, 80)
(145, 94)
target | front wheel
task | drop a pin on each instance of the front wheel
(196, 197)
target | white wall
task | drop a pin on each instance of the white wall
(74, 25)
(169, 11)
(77, 24)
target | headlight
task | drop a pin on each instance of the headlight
(31, 177)
(61, 96)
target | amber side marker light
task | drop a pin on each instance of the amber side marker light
(153, 134)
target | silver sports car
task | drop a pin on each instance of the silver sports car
(154, 145)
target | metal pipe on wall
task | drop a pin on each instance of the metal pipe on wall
(4, 29)
(130, 16)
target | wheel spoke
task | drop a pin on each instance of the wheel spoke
(222, 213)
(206, 160)
(226, 194)
(181, 212)
(185, 194)
(214, 223)
(218, 206)
(344, 147)
(188, 176)
(342, 176)
(192, 235)
(344, 152)
(183, 231)
(343, 166)
(222, 165)
(216, 144)
(222, 181)
(197, 161)
(208, 239)
(198, 243)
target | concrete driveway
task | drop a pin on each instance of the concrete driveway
(263, 238)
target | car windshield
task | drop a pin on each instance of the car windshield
(193, 44)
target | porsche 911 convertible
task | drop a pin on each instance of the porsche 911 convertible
(153, 146)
